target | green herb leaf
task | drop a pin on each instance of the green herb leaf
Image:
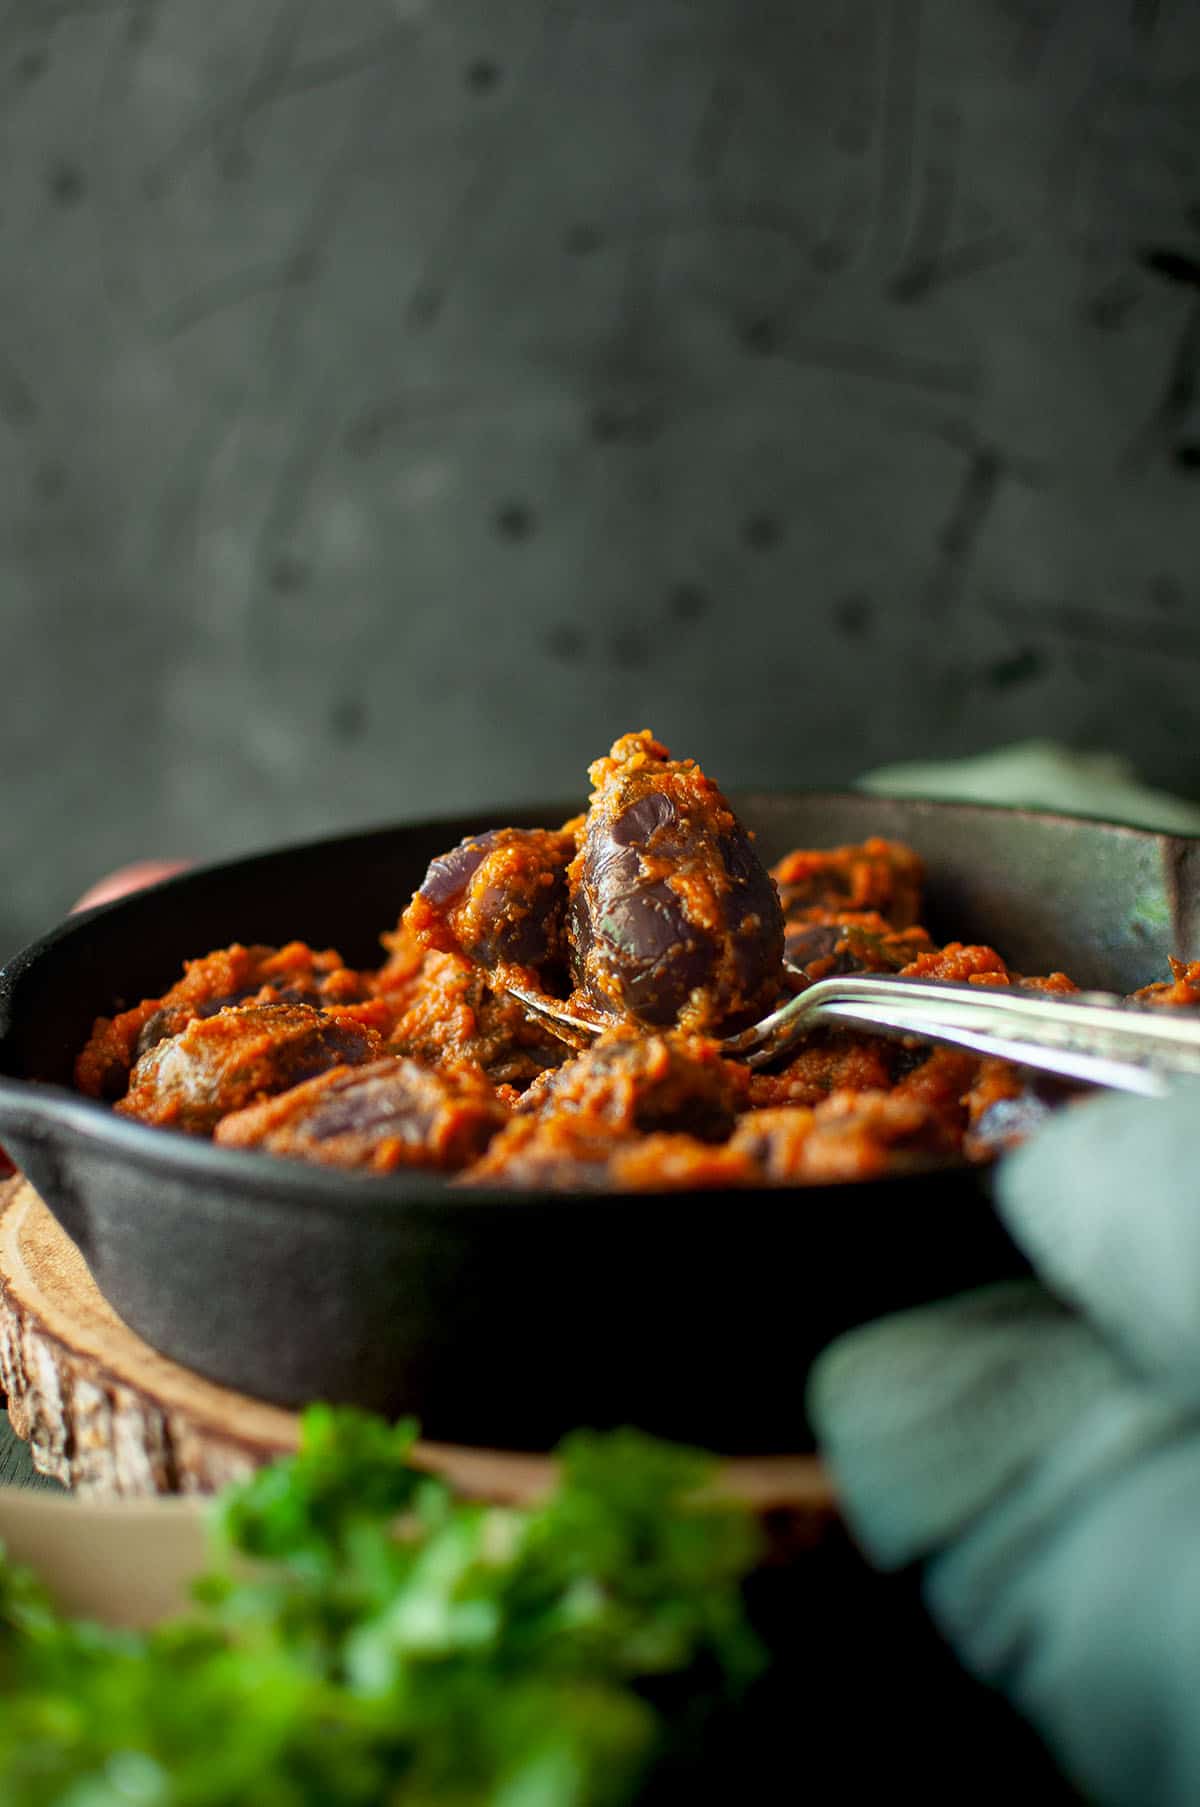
(392, 1646)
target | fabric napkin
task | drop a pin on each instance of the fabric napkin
(1036, 1447)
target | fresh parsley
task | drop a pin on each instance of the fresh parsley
(366, 1639)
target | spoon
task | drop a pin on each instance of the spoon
(1093, 1036)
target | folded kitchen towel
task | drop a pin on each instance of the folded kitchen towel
(1037, 1448)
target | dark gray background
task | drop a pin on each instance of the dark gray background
(398, 400)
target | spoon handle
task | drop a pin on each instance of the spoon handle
(1091, 1036)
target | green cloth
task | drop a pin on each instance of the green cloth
(1036, 1448)
(1042, 775)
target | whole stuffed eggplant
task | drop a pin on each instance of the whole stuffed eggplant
(673, 917)
(498, 898)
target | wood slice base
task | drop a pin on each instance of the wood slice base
(108, 1416)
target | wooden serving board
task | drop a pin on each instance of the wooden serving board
(108, 1416)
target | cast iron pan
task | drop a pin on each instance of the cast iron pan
(507, 1318)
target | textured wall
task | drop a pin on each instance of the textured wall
(396, 400)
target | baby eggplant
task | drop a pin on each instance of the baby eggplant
(673, 918)
(498, 898)
(389, 1113)
(219, 1064)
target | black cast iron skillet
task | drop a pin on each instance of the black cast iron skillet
(507, 1318)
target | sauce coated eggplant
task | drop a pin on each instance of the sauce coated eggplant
(219, 1064)
(673, 918)
(390, 1113)
(499, 899)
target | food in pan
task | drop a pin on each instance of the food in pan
(233, 975)
(218, 1064)
(500, 900)
(653, 915)
(673, 918)
(379, 1116)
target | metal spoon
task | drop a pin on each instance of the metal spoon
(1092, 1036)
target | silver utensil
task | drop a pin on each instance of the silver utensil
(1091, 1036)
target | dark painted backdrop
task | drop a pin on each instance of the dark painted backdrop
(398, 398)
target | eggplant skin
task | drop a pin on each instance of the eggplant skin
(219, 1064)
(673, 917)
(498, 898)
(374, 1118)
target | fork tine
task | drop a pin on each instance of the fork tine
(576, 1031)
